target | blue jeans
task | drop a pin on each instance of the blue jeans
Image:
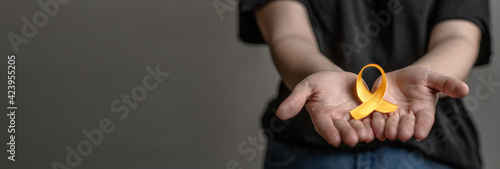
(280, 156)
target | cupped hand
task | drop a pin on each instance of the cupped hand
(415, 89)
(328, 96)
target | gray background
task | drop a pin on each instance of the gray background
(91, 52)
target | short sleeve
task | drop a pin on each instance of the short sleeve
(476, 11)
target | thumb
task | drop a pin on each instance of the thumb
(450, 86)
(292, 105)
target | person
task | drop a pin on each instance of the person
(427, 48)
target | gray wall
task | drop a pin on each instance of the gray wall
(91, 52)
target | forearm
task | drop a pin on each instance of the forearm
(295, 58)
(453, 49)
(286, 29)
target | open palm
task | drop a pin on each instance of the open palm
(415, 89)
(328, 97)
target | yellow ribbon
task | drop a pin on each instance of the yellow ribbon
(371, 101)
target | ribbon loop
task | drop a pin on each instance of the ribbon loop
(371, 101)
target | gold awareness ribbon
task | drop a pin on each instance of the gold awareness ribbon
(371, 101)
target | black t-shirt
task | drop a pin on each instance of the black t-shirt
(393, 34)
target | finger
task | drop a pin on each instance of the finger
(448, 85)
(424, 119)
(370, 136)
(391, 127)
(406, 127)
(324, 126)
(347, 133)
(292, 105)
(376, 84)
(378, 124)
(360, 129)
